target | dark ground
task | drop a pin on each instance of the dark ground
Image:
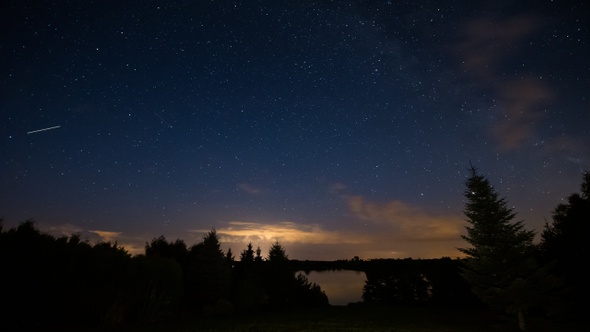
(357, 318)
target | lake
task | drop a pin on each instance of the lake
(341, 286)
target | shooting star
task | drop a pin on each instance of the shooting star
(44, 129)
(162, 119)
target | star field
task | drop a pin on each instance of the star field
(341, 128)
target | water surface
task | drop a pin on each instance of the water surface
(341, 286)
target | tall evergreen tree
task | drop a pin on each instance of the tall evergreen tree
(211, 279)
(258, 257)
(500, 259)
(564, 247)
(247, 255)
(277, 253)
(248, 291)
(566, 237)
(229, 256)
(279, 279)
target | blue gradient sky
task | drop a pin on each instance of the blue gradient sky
(340, 128)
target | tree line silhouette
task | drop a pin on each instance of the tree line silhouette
(54, 281)
(48, 281)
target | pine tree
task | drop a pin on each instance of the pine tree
(277, 253)
(210, 274)
(279, 278)
(229, 256)
(564, 248)
(566, 238)
(249, 294)
(500, 260)
(258, 257)
(247, 255)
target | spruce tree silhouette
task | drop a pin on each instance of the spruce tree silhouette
(500, 258)
(247, 255)
(229, 256)
(564, 247)
(212, 278)
(286, 290)
(248, 293)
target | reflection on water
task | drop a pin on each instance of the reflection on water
(342, 286)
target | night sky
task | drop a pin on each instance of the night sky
(339, 128)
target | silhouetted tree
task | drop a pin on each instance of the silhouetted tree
(155, 289)
(564, 247)
(229, 256)
(212, 275)
(309, 294)
(247, 254)
(276, 253)
(248, 294)
(258, 258)
(284, 289)
(33, 274)
(449, 288)
(279, 279)
(176, 250)
(110, 267)
(55, 282)
(398, 283)
(500, 259)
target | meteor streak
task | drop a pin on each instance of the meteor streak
(162, 119)
(44, 129)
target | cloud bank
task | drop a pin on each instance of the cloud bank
(391, 229)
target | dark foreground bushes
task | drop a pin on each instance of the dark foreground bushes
(55, 282)
(49, 281)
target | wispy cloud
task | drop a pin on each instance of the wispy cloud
(406, 223)
(303, 241)
(520, 101)
(107, 236)
(284, 231)
(401, 230)
(487, 42)
(372, 230)
(132, 243)
(391, 229)
(249, 188)
(486, 46)
(63, 229)
(337, 188)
